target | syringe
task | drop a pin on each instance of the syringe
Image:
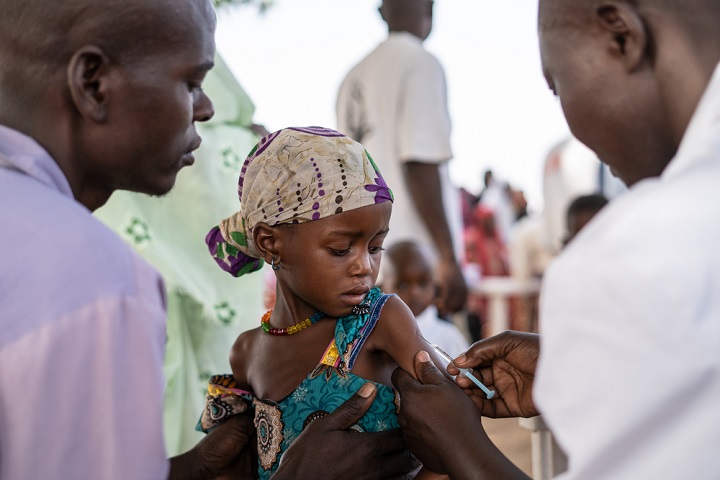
(465, 371)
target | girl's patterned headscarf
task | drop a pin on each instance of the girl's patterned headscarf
(295, 175)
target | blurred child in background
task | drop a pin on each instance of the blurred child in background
(580, 211)
(407, 272)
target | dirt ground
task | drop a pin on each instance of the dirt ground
(512, 439)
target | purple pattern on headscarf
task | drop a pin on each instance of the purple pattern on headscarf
(265, 142)
(235, 253)
(213, 239)
(381, 189)
(319, 131)
(382, 194)
(259, 148)
(241, 263)
(231, 263)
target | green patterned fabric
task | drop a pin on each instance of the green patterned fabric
(206, 312)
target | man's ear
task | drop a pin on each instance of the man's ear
(87, 79)
(266, 241)
(629, 33)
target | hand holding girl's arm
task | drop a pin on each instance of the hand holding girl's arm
(442, 427)
(377, 455)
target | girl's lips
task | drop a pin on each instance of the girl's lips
(355, 296)
(359, 290)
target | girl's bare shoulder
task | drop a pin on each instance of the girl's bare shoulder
(396, 323)
(241, 355)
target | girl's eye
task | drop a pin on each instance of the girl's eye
(374, 250)
(338, 252)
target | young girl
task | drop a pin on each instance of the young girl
(315, 207)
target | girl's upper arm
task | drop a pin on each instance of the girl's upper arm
(398, 335)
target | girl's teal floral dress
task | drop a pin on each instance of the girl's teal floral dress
(322, 391)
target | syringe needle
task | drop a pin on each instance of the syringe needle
(465, 371)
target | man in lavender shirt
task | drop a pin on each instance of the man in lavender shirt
(96, 96)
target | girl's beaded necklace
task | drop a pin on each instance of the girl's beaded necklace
(265, 324)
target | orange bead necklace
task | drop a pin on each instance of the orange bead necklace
(265, 324)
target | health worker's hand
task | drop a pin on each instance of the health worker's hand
(326, 449)
(504, 363)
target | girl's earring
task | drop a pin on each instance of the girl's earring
(273, 266)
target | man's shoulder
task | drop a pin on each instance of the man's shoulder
(398, 54)
(56, 244)
(658, 229)
(65, 264)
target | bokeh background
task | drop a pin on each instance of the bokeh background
(291, 55)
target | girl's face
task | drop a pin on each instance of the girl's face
(331, 264)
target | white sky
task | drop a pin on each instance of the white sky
(292, 59)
